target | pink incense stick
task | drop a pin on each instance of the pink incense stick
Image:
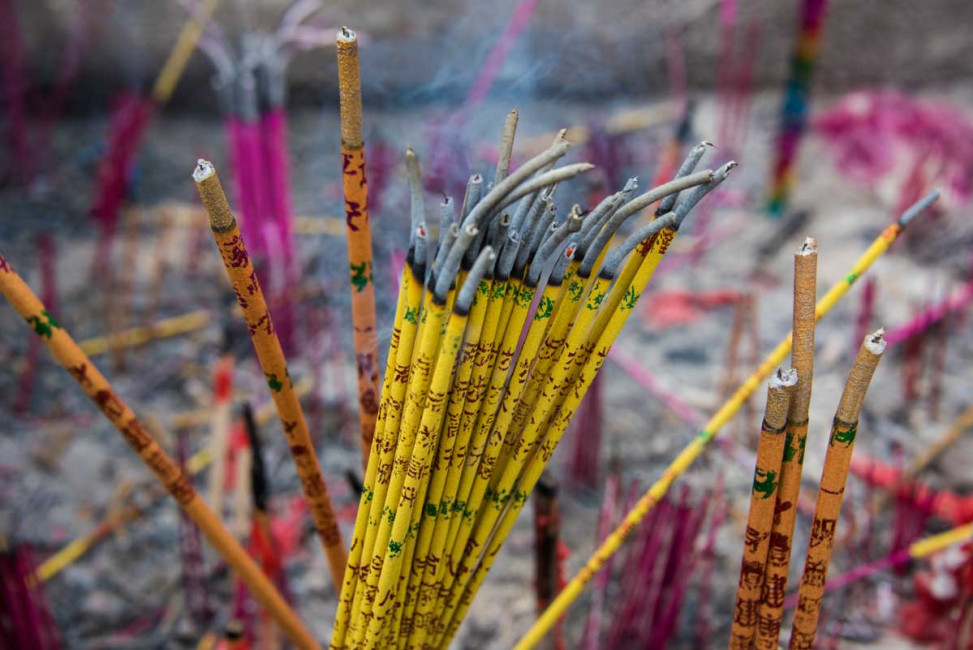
(15, 88)
(959, 300)
(606, 517)
(491, 67)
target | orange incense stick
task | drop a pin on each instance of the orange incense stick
(166, 470)
(763, 497)
(771, 610)
(243, 278)
(359, 236)
(832, 490)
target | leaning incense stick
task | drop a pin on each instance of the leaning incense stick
(831, 491)
(771, 609)
(689, 454)
(161, 329)
(174, 66)
(199, 461)
(138, 437)
(243, 278)
(763, 497)
(359, 236)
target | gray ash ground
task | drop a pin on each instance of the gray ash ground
(134, 576)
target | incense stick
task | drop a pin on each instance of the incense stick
(156, 459)
(763, 496)
(841, 444)
(243, 278)
(689, 454)
(359, 236)
(771, 608)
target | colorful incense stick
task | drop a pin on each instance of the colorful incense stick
(359, 235)
(243, 278)
(771, 609)
(831, 492)
(763, 497)
(156, 459)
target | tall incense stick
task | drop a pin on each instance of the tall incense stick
(832, 490)
(243, 278)
(359, 235)
(763, 496)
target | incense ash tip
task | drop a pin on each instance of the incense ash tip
(875, 342)
(784, 378)
(204, 169)
(346, 35)
(809, 246)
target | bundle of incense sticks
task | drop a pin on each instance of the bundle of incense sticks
(467, 423)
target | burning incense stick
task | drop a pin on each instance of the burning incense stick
(244, 281)
(685, 458)
(771, 609)
(763, 497)
(831, 491)
(359, 236)
(162, 465)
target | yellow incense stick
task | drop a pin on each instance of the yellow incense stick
(243, 278)
(682, 462)
(376, 483)
(175, 65)
(161, 329)
(165, 469)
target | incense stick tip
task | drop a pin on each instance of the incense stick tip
(918, 208)
(784, 378)
(204, 169)
(346, 35)
(809, 247)
(875, 342)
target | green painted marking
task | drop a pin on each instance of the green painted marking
(44, 324)
(361, 275)
(575, 289)
(594, 300)
(431, 510)
(275, 384)
(629, 299)
(544, 308)
(395, 548)
(764, 482)
(846, 438)
(851, 277)
(411, 315)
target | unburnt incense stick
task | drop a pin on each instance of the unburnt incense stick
(243, 278)
(763, 497)
(771, 609)
(689, 454)
(831, 491)
(359, 236)
(156, 459)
